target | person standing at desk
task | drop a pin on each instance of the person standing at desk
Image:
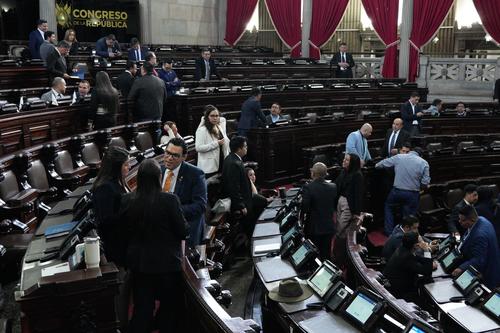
(205, 67)
(343, 61)
(412, 115)
(357, 143)
(479, 247)
(318, 202)
(251, 113)
(37, 37)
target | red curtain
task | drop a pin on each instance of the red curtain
(285, 15)
(428, 15)
(384, 17)
(238, 14)
(326, 16)
(489, 12)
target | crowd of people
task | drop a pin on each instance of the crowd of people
(148, 251)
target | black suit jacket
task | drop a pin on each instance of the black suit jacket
(403, 137)
(124, 83)
(148, 93)
(337, 57)
(199, 72)
(403, 269)
(106, 200)
(56, 64)
(409, 117)
(154, 241)
(235, 183)
(319, 200)
(496, 92)
(453, 224)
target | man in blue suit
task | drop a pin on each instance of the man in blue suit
(188, 183)
(205, 67)
(412, 115)
(108, 47)
(37, 37)
(479, 247)
(251, 113)
(136, 51)
(357, 143)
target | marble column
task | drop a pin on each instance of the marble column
(221, 24)
(405, 32)
(48, 13)
(306, 26)
(145, 17)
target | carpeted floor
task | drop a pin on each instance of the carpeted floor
(11, 309)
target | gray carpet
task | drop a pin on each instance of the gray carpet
(11, 309)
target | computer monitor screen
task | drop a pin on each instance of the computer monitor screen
(415, 329)
(322, 280)
(465, 279)
(299, 255)
(493, 304)
(289, 234)
(361, 308)
(285, 219)
(448, 259)
(444, 243)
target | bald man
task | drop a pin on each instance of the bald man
(395, 138)
(357, 143)
(319, 199)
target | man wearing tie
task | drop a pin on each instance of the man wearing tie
(37, 37)
(205, 67)
(357, 143)
(395, 138)
(136, 52)
(412, 115)
(343, 61)
(188, 183)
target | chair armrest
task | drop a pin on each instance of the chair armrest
(23, 197)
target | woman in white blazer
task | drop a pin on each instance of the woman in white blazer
(212, 143)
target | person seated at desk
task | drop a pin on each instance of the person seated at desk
(136, 52)
(205, 67)
(409, 224)
(404, 267)
(108, 47)
(435, 108)
(57, 91)
(461, 109)
(479, 247)
(470, 198)
(170, 131)
(155, 228)
(255, 192)
(168, 75)
(318, 203)
(83, 91)
(276, 115)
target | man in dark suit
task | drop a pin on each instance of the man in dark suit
(37, 37)
(136, 51)
(56, 61)
(236, 185)
(343, 61)
(479, 247)
(148, 93)
(470, 198)
(188, 183)
(319, 199)
(205, 67)
(251, 113)
(404, 266)
(108, 47)
(125, 80)
(276, 115)
(394, 138)
(412, 115)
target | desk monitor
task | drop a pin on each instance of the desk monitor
(449, 261)
(287, 219)
(289, 234)
(305, 253)
(492, 305)
(465, 281)
(363, 309)
(414, 326)
(447, 242)
(323, 278)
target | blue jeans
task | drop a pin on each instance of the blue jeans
(409, 204)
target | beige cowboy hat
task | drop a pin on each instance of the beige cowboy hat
(290, 291)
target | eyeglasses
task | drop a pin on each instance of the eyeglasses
(173, 155)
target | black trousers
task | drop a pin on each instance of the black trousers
(165, 287)
(324, 245)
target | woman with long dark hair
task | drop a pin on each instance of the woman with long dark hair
(350, 187)
(212, 143)
(155, 230)
(70, 38)
(107, 189)
(104, 102)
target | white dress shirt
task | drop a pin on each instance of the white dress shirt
(395, 134)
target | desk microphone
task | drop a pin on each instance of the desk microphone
(457, 299)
